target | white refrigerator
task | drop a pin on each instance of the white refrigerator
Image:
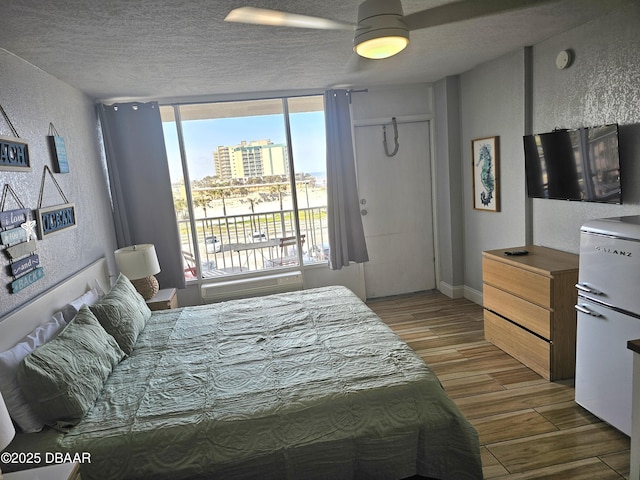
(608, 317)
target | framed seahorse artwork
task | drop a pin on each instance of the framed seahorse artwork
(485, 168)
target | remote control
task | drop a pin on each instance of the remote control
(516, 253)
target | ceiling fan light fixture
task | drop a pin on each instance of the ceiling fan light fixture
(382, 47)
(381, 31)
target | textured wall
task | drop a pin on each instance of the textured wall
(32, 99)
(601, 86)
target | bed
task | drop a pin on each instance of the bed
(302, 385)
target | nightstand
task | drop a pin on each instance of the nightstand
(59, 471)
(165, 299)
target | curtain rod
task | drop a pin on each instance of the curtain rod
(230, 98)
(351, 90)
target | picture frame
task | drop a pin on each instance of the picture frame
(485, 163)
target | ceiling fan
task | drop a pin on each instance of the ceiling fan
(382, 29)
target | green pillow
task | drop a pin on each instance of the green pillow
(62, 378)
(123, 313)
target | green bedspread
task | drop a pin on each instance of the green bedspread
(302, 385)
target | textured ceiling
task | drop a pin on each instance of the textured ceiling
(168, 49)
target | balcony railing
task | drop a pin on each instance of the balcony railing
(238, 244)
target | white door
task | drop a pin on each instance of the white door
(395, 201)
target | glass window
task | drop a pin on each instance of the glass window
(249, 184)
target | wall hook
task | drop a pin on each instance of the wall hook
(395, 138)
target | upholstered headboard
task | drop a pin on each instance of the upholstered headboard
(21, 322)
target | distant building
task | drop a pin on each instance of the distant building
(257, 158)
(222, 162)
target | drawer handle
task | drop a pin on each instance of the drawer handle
(587, 289)
(586, 311)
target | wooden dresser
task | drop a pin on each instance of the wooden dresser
(529, 307)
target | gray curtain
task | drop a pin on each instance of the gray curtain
(346, 235)
(140, 184)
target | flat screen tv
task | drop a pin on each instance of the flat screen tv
(581, 165)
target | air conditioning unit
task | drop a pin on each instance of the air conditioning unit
(251, 287)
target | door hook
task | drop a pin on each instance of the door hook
(395, 138)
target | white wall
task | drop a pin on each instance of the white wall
(32, 99)
(394, 101)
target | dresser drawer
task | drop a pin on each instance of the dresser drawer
(524, 346)
(531, 316)
(525, 284)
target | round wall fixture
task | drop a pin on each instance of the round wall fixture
(563, 60)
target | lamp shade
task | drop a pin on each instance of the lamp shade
(7, 430)
(137, 261)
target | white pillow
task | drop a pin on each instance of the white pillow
(17, 404)
(90, 297)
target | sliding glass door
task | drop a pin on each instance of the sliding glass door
(249, 184)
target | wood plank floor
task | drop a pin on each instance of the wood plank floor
(528, 427)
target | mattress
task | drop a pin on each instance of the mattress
(302, 385)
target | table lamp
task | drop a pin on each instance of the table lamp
(139, 263)
(7, 430)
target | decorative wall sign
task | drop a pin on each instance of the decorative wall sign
(24, 265)
(19, 238)
(58, 151)
(21, 249)
(12, 218)
(15, 235)
(57, 218)
(14, 155)
(27, 279)
(14, 152)
(484, 155)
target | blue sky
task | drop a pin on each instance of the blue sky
(202, 137)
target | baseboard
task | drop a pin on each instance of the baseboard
(472, 294)
(460, 291)
(451, 291)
